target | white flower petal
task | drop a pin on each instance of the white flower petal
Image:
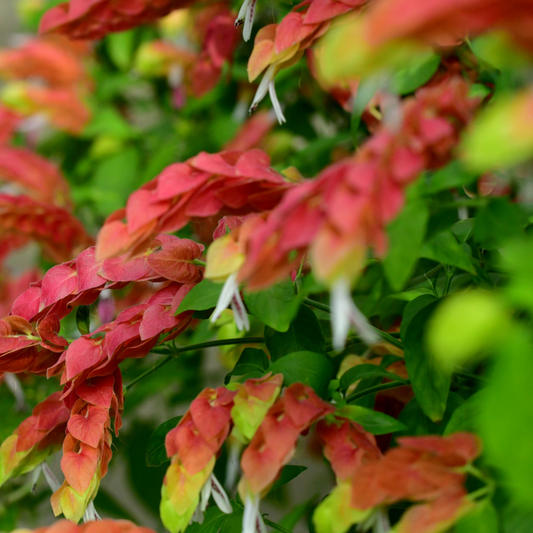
(226, 296)
(249, 21)
(344, 313)
(249, 518)
(90, 514)
(340, 318)
(50, 478)
(275, 102)
(241, 316)
(263, 87)
(242, 13)
(220, 496)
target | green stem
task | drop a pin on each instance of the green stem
(192, 347)
(469, 375)
(449, 276)
(222, 342)
(326, 308)
(198, 262)
(275, 526)
(159, 364)
(424, 277)
(376, 388)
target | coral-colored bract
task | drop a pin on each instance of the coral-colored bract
(92, 20)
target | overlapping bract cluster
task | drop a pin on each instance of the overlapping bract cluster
(273, 444)
(344, 211)
(211, 29)
(254, 415)
(193, 446)
(100, 526)
(63, 82)
(87, 445)
(425, 470)
(279, 46)
(37, 437)
(55, 228)
(93, 19)
(230, 182)
(449, 22)
(89, 365)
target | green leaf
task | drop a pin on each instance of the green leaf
(451, 176)
(412, 308)
(445, 249)
(288, 473)
(372, 421)
(309, 368)
(275, 307)
(482, 519)
(251, 360)
(465, 416)
(233, 522)
(367, 88)
(304, 333)
(202, 296)
(214, 519)
(120, 47)
(420, 71)
(430, 381)
(406, 233)
(506, 413)
(498, 222)
(366, 371)
(83, 319)
(156, 453)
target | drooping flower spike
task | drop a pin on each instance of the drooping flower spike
(279, 46)
(273, 445)
(193, 446)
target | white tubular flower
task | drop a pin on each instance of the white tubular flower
(50, 478)
(267, 85)
(252, 521)
(90, 514)
(346, 314)
(246, 17)
(230, 295)
(214, 488)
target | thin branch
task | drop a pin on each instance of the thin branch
(376, 388)
(192, 347)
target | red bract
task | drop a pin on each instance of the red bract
(40, 178)
(253, 132)
(9, 120)
(274, 442)
(230, 182)
(53, 227)
(192, 447)
(279, 46)
(25, 348)
(346, 446)
(62, 106)
(447, 22)
(87, 446)
(12, 287)
(49, 59)
(101, 526)
(421, 469)
(93, 19)
(337, 216)
(79, 282)
(37, 437)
